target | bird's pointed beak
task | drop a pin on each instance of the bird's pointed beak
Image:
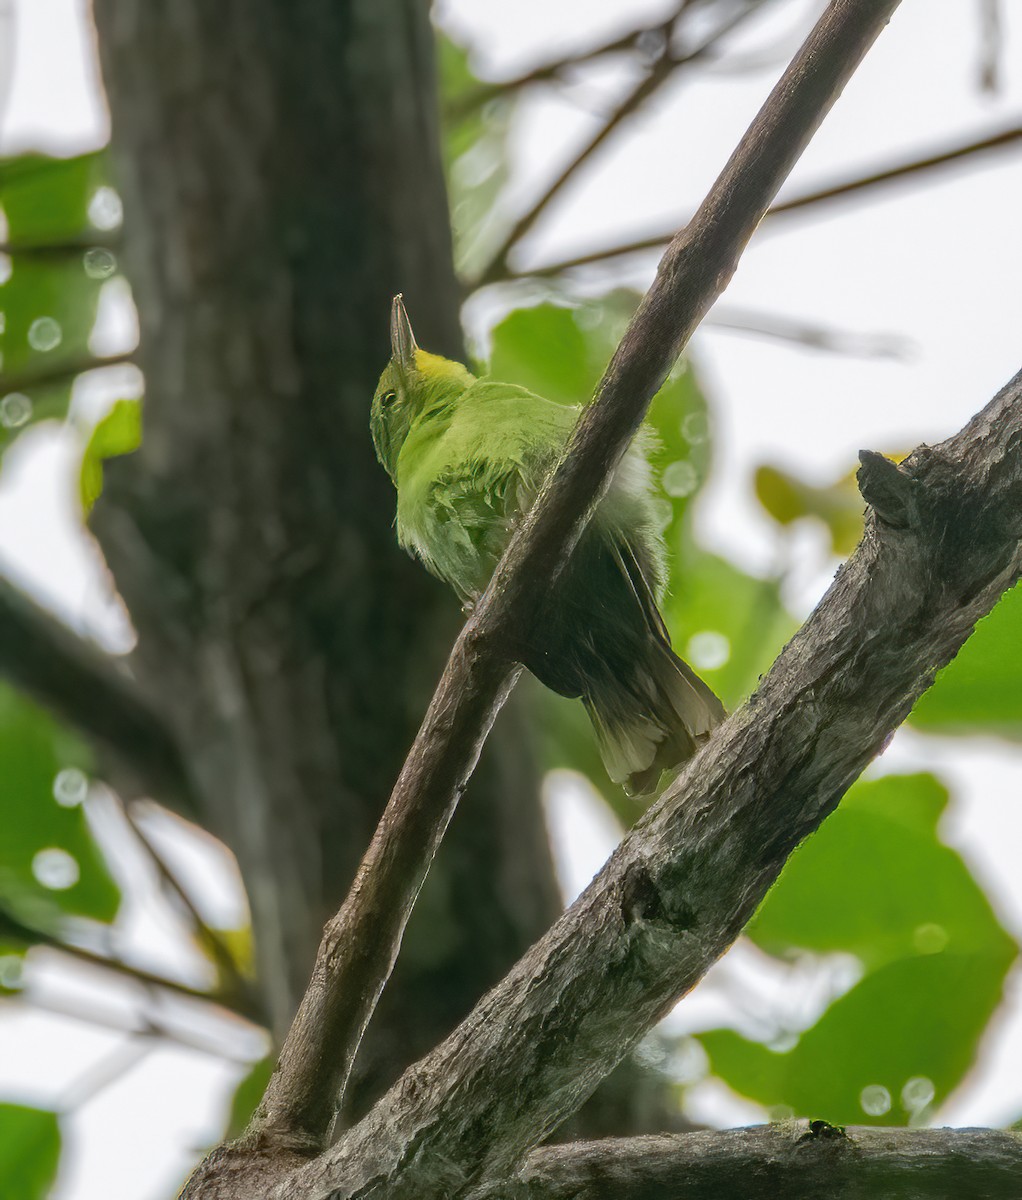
(402, 340)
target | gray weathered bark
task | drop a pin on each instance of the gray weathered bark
(943, 545)
(795, 1159)
(281, 175)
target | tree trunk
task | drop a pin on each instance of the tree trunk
(280, 169)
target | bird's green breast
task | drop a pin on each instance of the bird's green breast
(467, 469)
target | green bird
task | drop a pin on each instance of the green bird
(468, 456)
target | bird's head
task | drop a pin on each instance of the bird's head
(410, 383)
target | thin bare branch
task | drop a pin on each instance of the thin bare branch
(74, 248)
(234, 982)
(110, 1069)
(660, 71)
(545, 72)
(360, 944)
(81, 685)
(809, 334)
(149, 1024)
(14, 930)
(60, 370)
(943, 542)
(876, 180)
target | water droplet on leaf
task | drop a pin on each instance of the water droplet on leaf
(55, 869)
(70, 787)
(44, 334)
(930, 938)
(875, 1100)
(11, 969)
(105, 209)
(695, 428)
(680, 479)
(99, 263)
(917, 1093)
(15, 410)
(708, 650)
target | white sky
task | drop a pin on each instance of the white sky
(935, 264)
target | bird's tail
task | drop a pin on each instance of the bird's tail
(655, 722)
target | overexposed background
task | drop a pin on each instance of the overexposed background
(932, 263)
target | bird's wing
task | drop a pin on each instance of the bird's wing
(458, 504)
(641, 584)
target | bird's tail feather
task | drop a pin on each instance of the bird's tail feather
(654, 723)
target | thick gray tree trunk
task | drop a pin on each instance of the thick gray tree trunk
(280, 170)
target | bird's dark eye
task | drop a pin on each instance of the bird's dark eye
(387, 399)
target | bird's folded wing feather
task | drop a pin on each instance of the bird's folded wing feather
(460, 497)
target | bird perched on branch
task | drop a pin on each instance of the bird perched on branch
(468, 455)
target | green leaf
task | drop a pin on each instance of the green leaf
(44, 840)
(876, 882)
(916, 1019)
(475, 157)
(838, 506)
(744, 617)
(979, 692)
(29, 1152)
(48, 301)
(248, 1094)
(46, 200)
(561, 353)
(119, 432)
(544, 349)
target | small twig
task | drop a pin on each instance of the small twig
(59, 371)
(152, 1025)
(67, 675)
(108, 1070)
(821, 196)
(72, 248)
(235, 983)
(659, 72)
(17, 931)
(805, 333)
(360, 943)
(543, 73)
(992, 45)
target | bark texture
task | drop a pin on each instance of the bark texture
(281, 175)
(684, 882)
(796, 1159)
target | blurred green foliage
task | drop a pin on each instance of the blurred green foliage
(560, 353)
(876, 882)
(50, 279)
(29, 1152)
(50, 865)
(979, 692)
(119, 432)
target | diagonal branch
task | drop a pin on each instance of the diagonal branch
(942, 545)
(798, 1158)
(1006, 139)
(360, 944)
(67, 675)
